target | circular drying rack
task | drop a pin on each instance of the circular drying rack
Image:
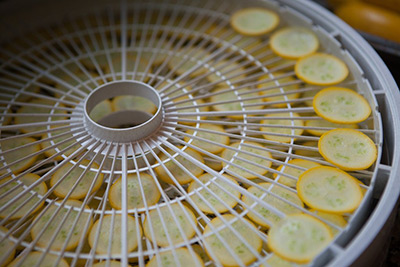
(95, 53)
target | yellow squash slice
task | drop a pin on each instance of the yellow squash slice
(288, 90)
(38, 119)
(299, 238)
(180, 175)
(63, 233)
(230, 70)
(31, 89)
(130, 102)
(261, 158)
(329, 189)
(20, 153)
(168, 217)
(134, 194)
(264, 216)
(341, 105)
(217, 204)
(348, 149)
(294, 42)
(276, 261)
(237, 105)
(246, 231)
(82, 189)
(6, 247)
(190, 60)
(282, 131)
(23, 209)
(215, 137)
(104, 234)
(101, 110)
(201, 252)
(321, 69)
(185, 258)
(191, 107)
(254, 21)
(57, 140)
(213, 163)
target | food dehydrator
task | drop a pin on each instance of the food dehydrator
(63, 62)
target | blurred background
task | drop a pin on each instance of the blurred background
(378, 21)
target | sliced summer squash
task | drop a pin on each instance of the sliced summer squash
(6, 247)
(299, 238)
(184, 221)
(236, 105)
(329, 189)
(66, 227)
(289, 91)
(254, 21)
(181, 176)
(20, 153)
(321, 69)
(130, 102)
(184, 256)
(68, 181)
(217, 250)
(267, 217)
(294, 42)
(23, 209)
(348, 149)
(282, 131)
(57, 141)
(213, 201)
(38, 119)
(230, 70)
(341, 105)
(190, 60)
(134, 194)
(261, 158)
(276, 261)
(101, 110)
(217, 137)
(134, 234)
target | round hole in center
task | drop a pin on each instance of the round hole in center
(123, 111)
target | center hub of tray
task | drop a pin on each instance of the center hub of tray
(127, 125)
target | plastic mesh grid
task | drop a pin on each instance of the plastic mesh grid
(62, 63)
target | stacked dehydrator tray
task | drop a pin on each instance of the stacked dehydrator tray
(153, 133)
